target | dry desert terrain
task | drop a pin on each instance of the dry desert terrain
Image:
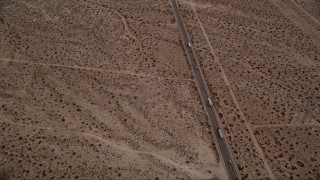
(261, 60)
(102, 89)
(99, 90)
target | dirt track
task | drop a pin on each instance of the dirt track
(261, 61)
(99, 89)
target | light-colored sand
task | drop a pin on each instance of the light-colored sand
(99, 89)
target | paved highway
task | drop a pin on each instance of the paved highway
(220, 141)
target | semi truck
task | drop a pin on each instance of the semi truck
(210, 101)
(220, 133)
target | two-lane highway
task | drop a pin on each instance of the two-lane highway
(220, 140)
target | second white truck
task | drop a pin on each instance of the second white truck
(210, 101)
(220, 133)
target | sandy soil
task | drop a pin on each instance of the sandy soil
(261, 61)
(99, 89)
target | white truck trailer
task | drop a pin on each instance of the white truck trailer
(210, 101)
(220, 133)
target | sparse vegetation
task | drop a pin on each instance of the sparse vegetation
(263, 70)
(99, 89)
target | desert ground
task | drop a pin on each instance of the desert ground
(261, 60)
(95, 89)
(102, 89)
